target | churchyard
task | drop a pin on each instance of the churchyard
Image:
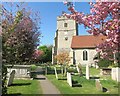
(29, 68)
(70, 83)
(83, 85)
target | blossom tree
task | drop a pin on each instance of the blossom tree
(63, 59)
(102, 20)
(37, 55)
(20, 36)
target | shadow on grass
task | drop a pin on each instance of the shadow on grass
(15, 94)
(62, 79)
(20, 84)
(39, 78)
(76, 84)
(104, 89)
(94, 77)
(116, 86)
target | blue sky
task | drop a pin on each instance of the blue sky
(48, 14)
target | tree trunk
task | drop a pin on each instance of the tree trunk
(65, 70)
(61, 69)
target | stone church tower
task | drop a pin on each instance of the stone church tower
(66, 29)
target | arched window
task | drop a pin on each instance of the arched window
(85, 55)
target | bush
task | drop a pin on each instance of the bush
(113, 65)
(33, 73)
(72, 70)
(33, 67)
(72, 66)
(104, 63)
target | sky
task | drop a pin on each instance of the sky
(48, 14)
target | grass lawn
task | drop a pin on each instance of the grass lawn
(88, 86)
(25, 87)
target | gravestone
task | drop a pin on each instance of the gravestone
(116, 74)
(11, 78)
(21, 71)
(79, 69)
(98, 85)
(69, 79)
(56, 73)
(87, 72)
(96, 66)
(113, 74)
(45, 70)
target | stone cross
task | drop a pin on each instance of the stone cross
(11, 78)
(69, 79)
(56, 73)
(87, 72)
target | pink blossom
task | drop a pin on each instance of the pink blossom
(100, 11)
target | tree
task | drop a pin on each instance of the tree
(37, 56)
(47, 53)
(20, 36)
(103, 19)
(63, 59)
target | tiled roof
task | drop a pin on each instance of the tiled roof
(86, 41)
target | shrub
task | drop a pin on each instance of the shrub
(104, 63)
(72, 65)
(33, 67)
(33, 73)
(113, 65)
(72, 70)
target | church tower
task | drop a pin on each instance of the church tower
(66, 29)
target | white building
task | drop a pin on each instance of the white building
(81, 48)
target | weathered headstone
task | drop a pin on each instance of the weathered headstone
(87, 72)
(56, 73)
(11, 78)
(98, 85)
(69, 79)
(20, 70)
(113, 74)
(46, 70)
(116, 74)
(96, 66)
(79, 69)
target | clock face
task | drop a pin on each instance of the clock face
(66, 33)
(66, 38)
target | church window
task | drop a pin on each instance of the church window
(65, 25)
(85, 55)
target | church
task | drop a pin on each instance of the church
(81, 48)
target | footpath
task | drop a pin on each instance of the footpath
(47, 87)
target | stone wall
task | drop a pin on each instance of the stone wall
(21, 71)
